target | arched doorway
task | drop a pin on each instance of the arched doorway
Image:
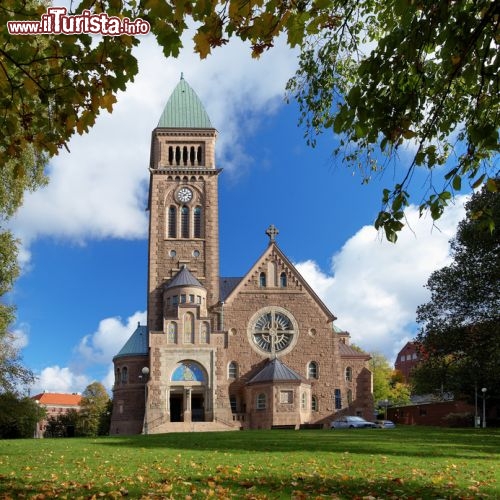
(188, 392)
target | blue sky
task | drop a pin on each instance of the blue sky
(84, 254)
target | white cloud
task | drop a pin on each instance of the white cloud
(93, 352)
(100, 346)
(21, 336)
(57, 379)
(374, 287)
(99, 189)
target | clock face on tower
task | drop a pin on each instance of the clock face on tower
(184, 194)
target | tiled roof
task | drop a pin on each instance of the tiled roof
(137, 344)
(184, 278)
(275, 371)
(226, 286)
(58, 399)
(184, 109)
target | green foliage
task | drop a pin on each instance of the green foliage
(9, 271)
(387, 383)
(95, 411)
(63, 425)
(460, 323)
(406, 462)
(54, 86)
(13, 375)
(18, 416)
(381, 371)
(380, 75)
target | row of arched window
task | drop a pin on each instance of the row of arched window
(184, 222)
(185, 155)
(263, 280)
(188, 331)
(121, 376)
(312, 371)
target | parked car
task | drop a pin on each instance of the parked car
(385, 424)
(351, 422)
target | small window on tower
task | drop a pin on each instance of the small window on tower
(185, 222)
(172, 222)
(197, 222)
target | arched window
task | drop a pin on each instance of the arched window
(124, 375)
(204, 333)
(232, 370)
(184, 222)
(191, 155)
(117, 376)
(262, 280)
(338, 399)
(188, 328)
(312, 370)
(261, 401)
(185, 155)
(172, 222)
(282, 280)
(348, 374)
(178, 155)
(197, 222)
(349, 396)
(314, 403)
(172, 333)
(199, 155)
(170, 155)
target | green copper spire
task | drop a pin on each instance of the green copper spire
(184, 109)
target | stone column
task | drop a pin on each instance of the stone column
(187, 405)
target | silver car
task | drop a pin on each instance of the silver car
(385, 424)
(351, 422)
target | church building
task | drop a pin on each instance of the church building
(259, 351)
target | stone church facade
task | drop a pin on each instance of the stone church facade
(259, 351)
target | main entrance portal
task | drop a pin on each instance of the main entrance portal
(188, 391)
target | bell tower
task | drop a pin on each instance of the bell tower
(183, 200)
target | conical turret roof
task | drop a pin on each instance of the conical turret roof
(137, 344)
(184, 278)
(184, 109)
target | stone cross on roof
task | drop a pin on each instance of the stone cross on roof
(272, 232)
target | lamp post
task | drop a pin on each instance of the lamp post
(145, 373)
(483, 390)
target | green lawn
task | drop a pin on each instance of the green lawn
(408, 462)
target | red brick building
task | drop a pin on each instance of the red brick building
(55, 404)
(407, 359)
(257, 351)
